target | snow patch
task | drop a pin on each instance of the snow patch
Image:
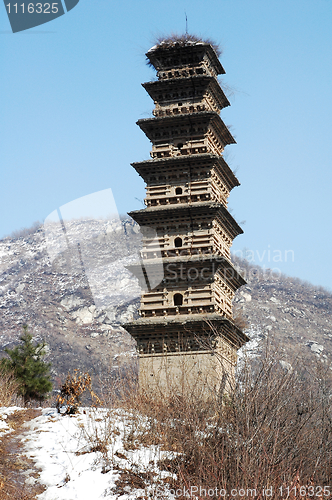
(61, 447)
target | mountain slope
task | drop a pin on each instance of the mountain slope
(58, 301)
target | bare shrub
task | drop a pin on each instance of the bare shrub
(25, 231)
(9, 388)
(273, 429)
(72, 390)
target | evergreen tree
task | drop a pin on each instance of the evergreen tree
(27, 365)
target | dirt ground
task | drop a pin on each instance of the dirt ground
(13, 463)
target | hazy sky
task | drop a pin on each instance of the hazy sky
(71, 94)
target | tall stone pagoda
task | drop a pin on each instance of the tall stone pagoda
(186, 335)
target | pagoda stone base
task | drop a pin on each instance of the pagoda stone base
(200, 373)
(185, 353)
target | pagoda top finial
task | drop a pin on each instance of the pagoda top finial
(177, 51)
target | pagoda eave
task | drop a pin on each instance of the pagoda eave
(207, 119)
(209, 326)
(209, 161)
(149, 215)
(175, 270)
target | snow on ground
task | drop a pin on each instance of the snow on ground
(65, 449)
(251, 349)
(4, 412)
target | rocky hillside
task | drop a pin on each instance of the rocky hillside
(79, 313)
(287, 312)
(57, 302)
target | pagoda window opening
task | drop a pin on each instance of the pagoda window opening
(178, 299)
(178, 242)
(178, 190)
(180, 145)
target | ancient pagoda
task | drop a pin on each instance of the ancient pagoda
(186, 335)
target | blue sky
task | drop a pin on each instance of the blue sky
(71, 94)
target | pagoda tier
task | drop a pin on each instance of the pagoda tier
(187, 60)
(194, 285)
(195, 93)
(186, 271)
(190, 179)
(184, 229)
(202, 132)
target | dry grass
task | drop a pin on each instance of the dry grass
(13, 493)
(174, 39)
(273, 429)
